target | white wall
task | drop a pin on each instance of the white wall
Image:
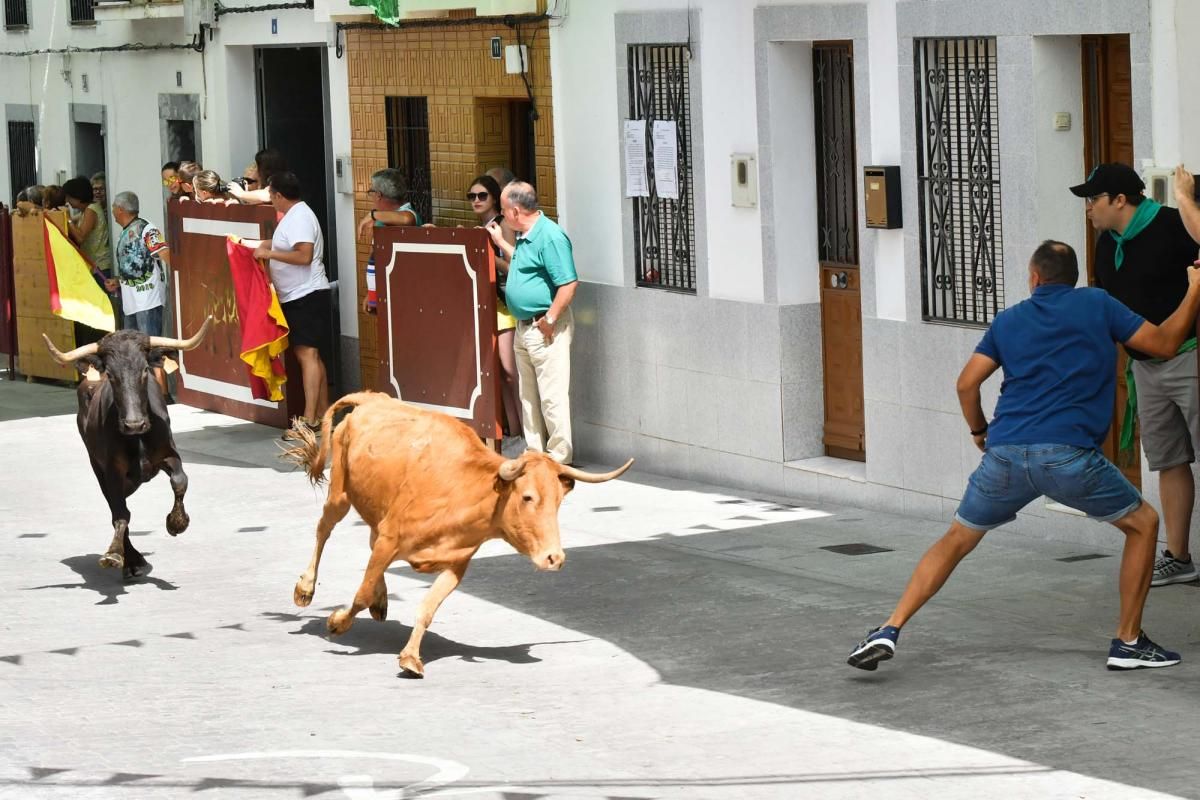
(1057, 78)
(886, 147)
(793, 131)
(583, 49)
(128, 85)
(1187, 27)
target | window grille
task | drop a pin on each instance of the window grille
(16, 14)
(408, 149)
(22, 155)
(958, 180)
(83, 12)
(837, 214)
(664, 228)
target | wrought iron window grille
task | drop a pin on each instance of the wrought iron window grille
(837, 211)
(664, 228)
(83, 12)
(16, 14)
(408, 149)
(958, 180)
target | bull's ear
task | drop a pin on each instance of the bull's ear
(568, 483)
(156, 355)
(90, 367)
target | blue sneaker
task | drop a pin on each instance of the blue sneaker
(880, 645)
(1142, 654)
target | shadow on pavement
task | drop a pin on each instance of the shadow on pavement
(21, 400)
(369, 637)
(1030, 684)
(108, 583)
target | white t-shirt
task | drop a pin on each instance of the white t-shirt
(292, 282)
(143, 276)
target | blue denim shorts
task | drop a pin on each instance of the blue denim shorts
(1011, 476)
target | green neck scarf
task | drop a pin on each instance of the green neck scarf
(1146, 211)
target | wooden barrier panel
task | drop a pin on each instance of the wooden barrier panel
(437, 322)
(32, 294)
(213, 375)
(8, 306)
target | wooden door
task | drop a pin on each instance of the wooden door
(1108, 137)
(837, 225)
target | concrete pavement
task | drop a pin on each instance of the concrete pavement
(692, 647)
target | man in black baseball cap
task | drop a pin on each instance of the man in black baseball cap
(1142, 258)
(1110, 179)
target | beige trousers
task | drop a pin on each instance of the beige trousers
(545, 373)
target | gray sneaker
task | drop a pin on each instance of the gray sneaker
(1169, 569)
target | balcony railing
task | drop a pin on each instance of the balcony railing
(83, 12)
(16, 14)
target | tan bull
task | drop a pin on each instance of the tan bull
(432, 494)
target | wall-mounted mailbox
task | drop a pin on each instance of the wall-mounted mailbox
(881, 186)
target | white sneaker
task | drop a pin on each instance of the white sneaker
(1169, 569)
(512, 446)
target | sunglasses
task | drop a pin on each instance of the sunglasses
(171, 181)
(473, 196)
(249, 181)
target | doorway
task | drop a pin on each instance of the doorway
(89, 148)
(1107, 138)
(292, 98)
(837, 238)
(504, 137)
(293, 93)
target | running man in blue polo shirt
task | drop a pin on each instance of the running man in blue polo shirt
(1055, 407)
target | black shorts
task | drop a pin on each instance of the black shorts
(309, 320)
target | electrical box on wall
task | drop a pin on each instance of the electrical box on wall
(881, 189)
(744, 180)
(343, 175)
(516, 59)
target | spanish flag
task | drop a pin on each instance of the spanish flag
(264, 329)
(74, 294)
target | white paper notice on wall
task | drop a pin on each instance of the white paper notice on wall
(637, 183)
(666, 160)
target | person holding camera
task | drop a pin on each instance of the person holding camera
(1142, 259)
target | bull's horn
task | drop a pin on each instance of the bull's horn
(67, 359)
(512, 469)
(182, 344)
(593, 477)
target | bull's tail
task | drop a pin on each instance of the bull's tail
(311, 453)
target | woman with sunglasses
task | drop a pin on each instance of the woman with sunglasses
(484, 197)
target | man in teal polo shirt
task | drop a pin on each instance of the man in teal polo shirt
(541, 285)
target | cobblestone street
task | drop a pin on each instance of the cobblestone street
(692, 647)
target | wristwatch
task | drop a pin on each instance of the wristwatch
(549, 319)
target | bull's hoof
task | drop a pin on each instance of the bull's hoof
(379, 609)
(339, 622)
(113, 560)
(139, 570)
(177, 522)
(412, 666)
(301, 596)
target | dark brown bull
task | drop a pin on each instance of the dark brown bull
(124, 425)
(432, 493)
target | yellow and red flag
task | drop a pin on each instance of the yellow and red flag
(74, 293)
(264, 329)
